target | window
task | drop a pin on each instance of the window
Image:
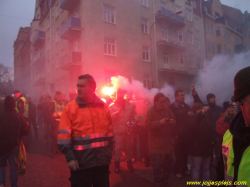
(196, 23)
(212, 48)
(147, 82)
(207, 27)
(219, 49)
(224, 32)
(211, 29)
(108, 14)
(181, 58)
(198, 64)
(191, 61)
(194, 4)
(197, 44)
(165, 59)
(189, 15)
(217, 15)
(145, 53)
(144, 3)
(180, 36)
(144, 25)
(109, 46)
(208, 46)
(237, 41)
(165, 34)
(227, 38)
(218, 31)
(190, 38)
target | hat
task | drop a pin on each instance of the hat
(16, 91)
(209, 96)
(227, 104)
(242, 84)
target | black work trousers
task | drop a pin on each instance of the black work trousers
(96, 177)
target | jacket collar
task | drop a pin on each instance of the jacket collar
(97, 102)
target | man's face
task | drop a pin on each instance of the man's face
(246, 109)
(17, 95)
(160, 104)
(212, 100)
(180, 97)
(84, 89)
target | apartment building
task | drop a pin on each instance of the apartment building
(223, 30)
(22, 77)
(179, 41)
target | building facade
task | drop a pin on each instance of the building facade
(22, 70)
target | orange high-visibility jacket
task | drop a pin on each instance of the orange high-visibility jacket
(86, 133)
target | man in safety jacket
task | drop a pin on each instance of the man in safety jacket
(57, 107)
(22, 106)
(86, 136)
(234, 165)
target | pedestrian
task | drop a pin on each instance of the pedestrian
(180, 110)
(215, 111)
(32, 115)
(13, 127)
(160, 123)
(58, 109)
(222, 124)
(123, 113)
(234, 165)
(200, 142)
(40, 115)
(86, 136)
(22, 106)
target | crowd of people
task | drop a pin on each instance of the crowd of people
(168, 136)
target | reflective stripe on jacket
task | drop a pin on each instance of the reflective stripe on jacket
(58, 110)
(26, 106)
(86, 134)
(228, 158)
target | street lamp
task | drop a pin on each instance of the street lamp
(156, 63)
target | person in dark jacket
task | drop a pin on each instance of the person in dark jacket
(32, 115)
(180, 110)
(160, 123)
(85, 136)
(215, 112)
(12, 127)
(234, 165)
(201, 142)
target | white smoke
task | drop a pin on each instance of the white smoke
(216, 77)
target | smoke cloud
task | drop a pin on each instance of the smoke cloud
(216, 77)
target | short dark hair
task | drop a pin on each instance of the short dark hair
(9, 102)
(177, 92)
(157, 96)
(90, 79)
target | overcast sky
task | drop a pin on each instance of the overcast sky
(19, 13)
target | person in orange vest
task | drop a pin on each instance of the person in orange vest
(58, 107)
(86, 136)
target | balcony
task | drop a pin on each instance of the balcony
(39, 38)
(39, 59)
(71, 29)
(167, 15)
(171, 44)
(71, 61)
(69, 4)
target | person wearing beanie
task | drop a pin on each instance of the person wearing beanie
(12, 127)
(222, 124)
(215, 112)
(236, 140)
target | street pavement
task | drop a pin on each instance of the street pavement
(44, 171)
